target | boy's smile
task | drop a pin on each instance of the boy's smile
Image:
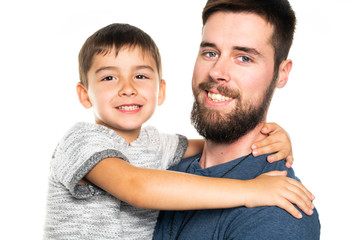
(124, 90)
(129, 108)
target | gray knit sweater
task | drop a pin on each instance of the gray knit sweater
(86, 211)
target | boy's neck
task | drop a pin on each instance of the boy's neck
(215, 153)
(129, 135)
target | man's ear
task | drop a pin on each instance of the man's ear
(284, 71)
(162, 92)
(83, 96)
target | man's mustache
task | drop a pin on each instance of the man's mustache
(221, 88)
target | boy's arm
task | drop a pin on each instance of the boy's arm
(168, 190)
(195, 146)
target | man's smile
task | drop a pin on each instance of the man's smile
(217, 97)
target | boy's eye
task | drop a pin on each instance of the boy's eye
(108, 78)
(141, 77)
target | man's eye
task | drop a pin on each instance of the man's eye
(211, 54)
(244, 59)
(108, 78)
(141, 77)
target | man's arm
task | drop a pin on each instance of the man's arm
(167, 190)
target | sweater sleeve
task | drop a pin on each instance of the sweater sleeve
(173, 153)
(82, 147)
(171, 147)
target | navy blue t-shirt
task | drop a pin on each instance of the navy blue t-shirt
(240, 222)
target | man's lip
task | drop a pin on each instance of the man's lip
(211, 103)
(216, 96)
(215, 91)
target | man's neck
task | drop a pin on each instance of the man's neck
(215, 153)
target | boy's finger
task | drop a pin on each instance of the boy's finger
(300, 199)
(289, 161)
(275, 173)
(302, 187)
(264, 142)
(290, 208)
(270, 149)
(300, 202)
(269, 127)
(277, 156)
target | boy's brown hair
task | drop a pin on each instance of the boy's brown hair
(277, 12)
(115, 36)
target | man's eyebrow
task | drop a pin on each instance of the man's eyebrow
(248, 50)
(251, 51)
(207, 44)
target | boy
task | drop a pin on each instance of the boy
(101, 184)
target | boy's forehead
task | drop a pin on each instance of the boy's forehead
(127, 50)
(130, 53)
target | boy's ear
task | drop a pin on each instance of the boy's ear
(83, 96)
(284, 72)
(162, 92)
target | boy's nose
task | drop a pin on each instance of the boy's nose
(127, 89)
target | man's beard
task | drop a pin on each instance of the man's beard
(226, 128)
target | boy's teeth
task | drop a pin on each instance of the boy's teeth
(129, 108)
(218, 97)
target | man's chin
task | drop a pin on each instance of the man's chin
(224, 128)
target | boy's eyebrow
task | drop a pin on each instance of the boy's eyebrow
(138, 67)
(105, 68)
(249, 50)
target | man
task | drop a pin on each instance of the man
(242, 59)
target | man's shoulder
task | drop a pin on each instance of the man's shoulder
(272, 223)
(261, 165)
(185, 163)
(250, 167)
(244, 167)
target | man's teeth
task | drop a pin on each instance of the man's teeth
(128, 108)
(218, 97)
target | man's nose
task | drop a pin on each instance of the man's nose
(127, 88)
(220, 71)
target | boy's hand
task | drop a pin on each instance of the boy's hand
(275, 189)
(277, 140)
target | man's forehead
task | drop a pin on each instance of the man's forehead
(237, 30)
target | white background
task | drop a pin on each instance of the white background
(39, 44)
